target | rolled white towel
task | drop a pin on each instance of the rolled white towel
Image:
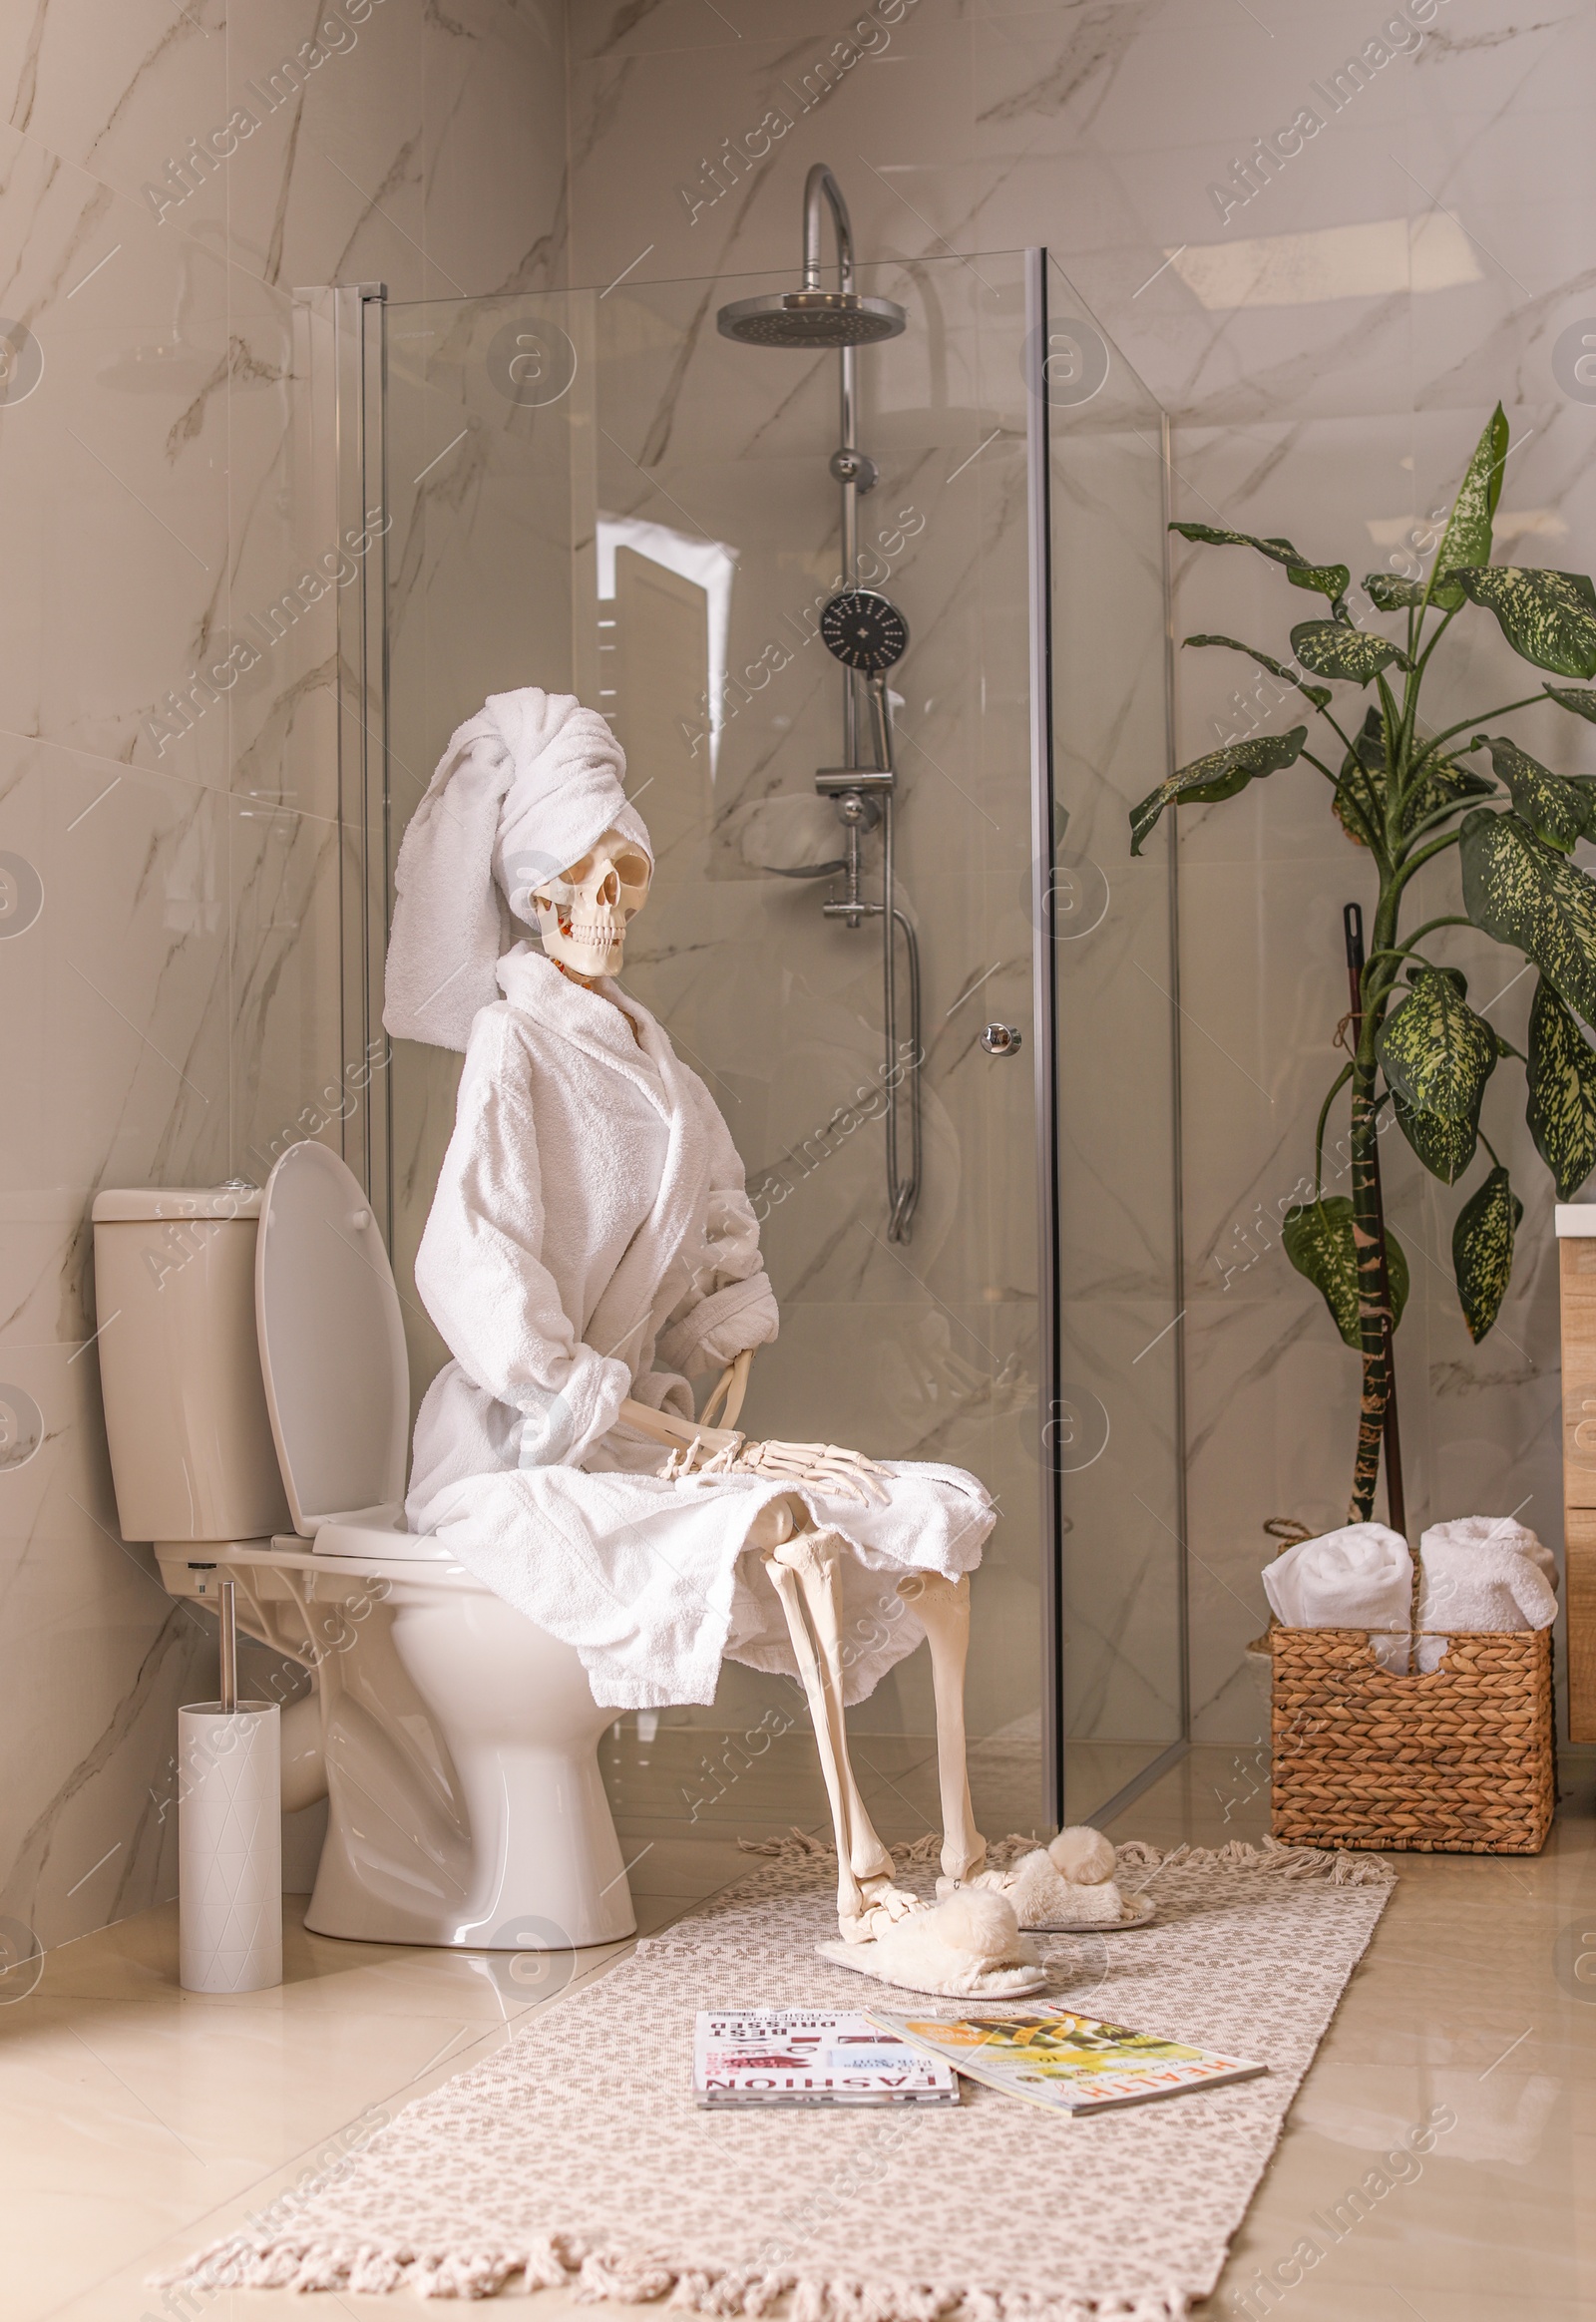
(1484, 1573)
(1495, 1532)
(1359, 1577)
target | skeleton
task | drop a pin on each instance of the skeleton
(968, 1942)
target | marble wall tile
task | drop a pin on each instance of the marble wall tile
(287, 1045)
(495, 145)
(329, 186)
(120, 92)
(112, 467)
(116, 1021)
(168, 942)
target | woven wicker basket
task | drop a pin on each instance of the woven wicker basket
(1459, 1761)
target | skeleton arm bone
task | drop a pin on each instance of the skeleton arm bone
(732, 1386)
(680, 1434)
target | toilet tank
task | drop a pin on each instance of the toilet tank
(192, 1454)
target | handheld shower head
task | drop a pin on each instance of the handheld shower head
(812, 317)
(864, 630)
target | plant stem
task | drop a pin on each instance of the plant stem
(1335, 1086)
(1415, 861)
(1440, 814)
(1453, 919)
(1368, 1238)
(1445, 735)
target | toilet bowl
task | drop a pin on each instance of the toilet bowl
(256, 1399)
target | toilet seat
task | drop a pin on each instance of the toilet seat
(333, 1360)
(332, 1349)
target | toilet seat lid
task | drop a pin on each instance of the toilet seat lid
(332, 1341)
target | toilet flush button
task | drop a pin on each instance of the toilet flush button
(359, 1218)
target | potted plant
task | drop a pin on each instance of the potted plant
(1460, 1758)
(1409, 795)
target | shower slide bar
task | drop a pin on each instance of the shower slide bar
(868, 635)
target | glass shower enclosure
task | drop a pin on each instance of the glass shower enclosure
(594, 492)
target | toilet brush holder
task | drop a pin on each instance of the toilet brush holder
(229, 1834)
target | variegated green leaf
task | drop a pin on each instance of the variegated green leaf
(1531, 897)
(1331, 649)
(1435, 1050)
(1482, 1251)
(1348, 807)
(1445, 1147)
(1466, 540)
(1319, 695)
(1570, 697)
(1392, 594)
(1445, 783)
(1221, 774)
(1279, 550)
(1562, 1092)
(1330, 579)
(1557, 811)
(1318, 1238)
(1547, 617)
(1369, 742)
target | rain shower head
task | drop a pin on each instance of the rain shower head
(812, 317)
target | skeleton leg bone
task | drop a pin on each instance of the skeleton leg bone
(944, 1609)
(970, 1944)
(803, 1571)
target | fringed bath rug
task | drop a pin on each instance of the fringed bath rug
(576, 2155)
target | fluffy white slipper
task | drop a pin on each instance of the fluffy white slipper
(969, 1945)
(1066, 1886)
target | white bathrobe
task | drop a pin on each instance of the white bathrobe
(590, 1239)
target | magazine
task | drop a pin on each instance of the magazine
(1068, 2063)
(805, 2056)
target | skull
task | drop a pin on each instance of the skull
(583, 913)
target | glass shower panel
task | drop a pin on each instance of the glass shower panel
(479, 462)
(717, 547)
(595, 492)
(1117, 1424)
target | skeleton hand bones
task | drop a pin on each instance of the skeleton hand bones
(700, 1449)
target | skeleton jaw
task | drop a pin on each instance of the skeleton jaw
(588, 947)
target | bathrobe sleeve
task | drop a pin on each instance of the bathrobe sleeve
(729, 1304)
(480, 1270)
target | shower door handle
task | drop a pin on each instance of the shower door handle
(1001, 1041)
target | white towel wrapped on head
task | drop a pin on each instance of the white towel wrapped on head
(523, 791)
(1359, 1577)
